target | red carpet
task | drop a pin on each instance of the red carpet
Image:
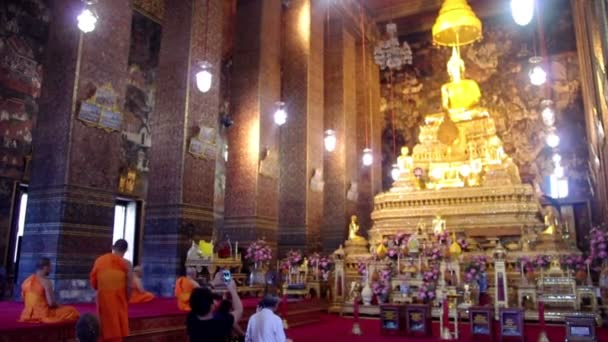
(10, 311)
(338, 329)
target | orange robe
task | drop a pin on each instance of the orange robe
(109, 277)
(37, 309)
(183, 289)
(139, 296)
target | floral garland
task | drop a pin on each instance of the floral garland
(475, 268)
(429, 280)
(573, 262)
(381, 286)
(362, 267)
(292, 259)
(258, 252)
(598, 251)
(541, 261)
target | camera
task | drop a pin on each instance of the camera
(227, 276)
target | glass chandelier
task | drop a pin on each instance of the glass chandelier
(389, 53)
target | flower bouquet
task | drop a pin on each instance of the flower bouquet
(475, 268)
(426, 291)
(258, 252)
(381, 287)
(598, 249)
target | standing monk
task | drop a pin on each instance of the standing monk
(138, 294)
(184, 287)
(40, 305)
(112, 277)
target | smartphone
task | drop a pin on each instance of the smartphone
(227, 276)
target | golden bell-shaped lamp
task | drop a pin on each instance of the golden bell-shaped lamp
(456, 24)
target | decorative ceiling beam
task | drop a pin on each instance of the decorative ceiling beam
(405, 9)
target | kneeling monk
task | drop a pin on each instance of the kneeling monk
(183, 288)
(138, 294)
(40, 305)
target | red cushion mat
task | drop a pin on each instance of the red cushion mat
(10, 311)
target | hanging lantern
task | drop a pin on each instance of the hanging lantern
(547, 113)
(330, 140)
(556, 158)
(280, 116)
(537, 74)
(368, 157)
(87, 19)
(456, 24)
(395, 172)
(522, 11)
(204, 77)
(558, 171)
(552, 139)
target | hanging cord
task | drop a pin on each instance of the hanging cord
(364, 65)
(206, 29)
(543, 50)
(393, 115)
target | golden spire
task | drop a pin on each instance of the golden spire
(456, 24)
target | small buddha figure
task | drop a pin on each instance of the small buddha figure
(438, 225)
(404, 161)
(339, 253)
(460, 94)
(353, 229)
(551, 221)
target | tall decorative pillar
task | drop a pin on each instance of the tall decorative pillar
(589, 28)
(75, 165)
(301, 139)
(184, 128)
(341, 166)
(252, 171)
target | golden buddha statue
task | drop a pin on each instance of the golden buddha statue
(551, 221)
(353, 229)
(405, 161)
(460, 94)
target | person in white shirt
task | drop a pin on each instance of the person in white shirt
(265, 325)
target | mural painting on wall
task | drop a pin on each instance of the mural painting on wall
(139, 103)
(499, 63)
(23, 33)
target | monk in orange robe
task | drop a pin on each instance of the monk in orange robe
(183, 288)
(40, 305)
(112, 277)
(138, 294)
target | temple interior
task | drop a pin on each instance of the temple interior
(377, 158)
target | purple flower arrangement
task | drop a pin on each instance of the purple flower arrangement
(434, 252)
(426, 291)
(598, 251)
(362, 267)
(381, 287)
(463, 243)
(313, 259)
(393, 253)
(573, 262)
(294, 258)
(475, 268)
(258, 252)
(401, 239)
(542, 261)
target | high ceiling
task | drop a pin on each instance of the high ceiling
(418, 15)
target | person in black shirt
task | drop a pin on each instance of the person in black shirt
(203, 325)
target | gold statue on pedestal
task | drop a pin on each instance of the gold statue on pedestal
(460, 94)
(551, 221)
(353, 229)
